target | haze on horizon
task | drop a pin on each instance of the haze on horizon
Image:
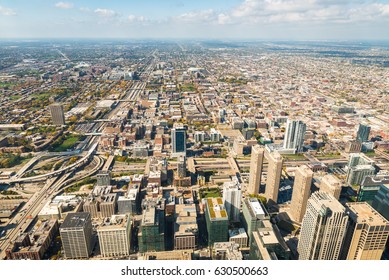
(218, 19)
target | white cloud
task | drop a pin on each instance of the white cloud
(137, 19)
(7, 11)
(205, 16)
(105, 13)
(64, 5)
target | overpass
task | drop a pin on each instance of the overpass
(58, 172)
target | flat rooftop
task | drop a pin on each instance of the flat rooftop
(149, 216)
(76, 220)
(363, 213)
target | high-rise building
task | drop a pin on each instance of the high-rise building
(178, 137)
(114, 236)
(331, 185)
(217, 220)
(370, 187)
(301, 192)
(366, 235)
(239, 236)
(363, 133)
(323, 228)
(76, 235)
(151, 235)
(103, 178)
(381, 201)
(359, 167)
(256, 163)
(181, 166)
(274, 172)
(232, 196)
(185, 227)
(254, 213)
(294, 135)
(57, 114)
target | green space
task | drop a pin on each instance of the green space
(330, 156)
(260, 197)
(41, 96)
(11, 160)
(129, 159)
(9, 192)
(188, 87)
(370, 153)
(78, 185)
(214, 192)
(65, 142)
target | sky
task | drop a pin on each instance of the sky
(205, 19)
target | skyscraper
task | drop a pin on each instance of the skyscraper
(323, 228)
(366, 235)
(232, 196)
(178, 136)
(301, 192)
(57, 115)
(76, 235)
(363, 133)
(294, 135)
(331, 185)
(216, 220)
(274, 171)
(256, 163)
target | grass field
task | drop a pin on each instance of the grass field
(68, 143)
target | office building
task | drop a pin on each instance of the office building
(294, 135)
(103, 178)
(185, 227)
(76, 235)
(130, 202)
(151, 235)
(254, 213)
(370, 187)
(232, 195)
(239, 236)
(199, 136)
(274, 172)
(256, 164)
(57, 114)
(301, 192)
(381, 201)
(101, 203)
(267, 243)
(331, 185)
(323, 228)
(216, 220)
(178, 137)
(114, 236)
(366, 235)
(363, 133)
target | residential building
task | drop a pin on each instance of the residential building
(273, 176)
(301, 192)
(294, 135)
(331, 185)
(363, 133)
(256, 162)
(232, 195)
(57, 114)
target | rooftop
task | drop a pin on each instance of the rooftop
(216, 208)
(362, 212)
(76, 220)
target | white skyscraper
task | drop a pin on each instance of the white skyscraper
(323, 228)
(256, 162)
(294, 135)
(232, 196)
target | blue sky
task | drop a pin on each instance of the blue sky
(219, 19)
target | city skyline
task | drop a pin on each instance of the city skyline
(232, 19)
